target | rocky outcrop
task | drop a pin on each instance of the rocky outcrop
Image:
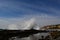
(55, 34)
(51, 27)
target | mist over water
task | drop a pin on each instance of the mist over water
(24, 25)
(27, 22)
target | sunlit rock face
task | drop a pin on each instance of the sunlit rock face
(56, 27)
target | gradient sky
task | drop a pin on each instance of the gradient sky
(15, 12)
(17, 8)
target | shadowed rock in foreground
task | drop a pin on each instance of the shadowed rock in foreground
(6, 34)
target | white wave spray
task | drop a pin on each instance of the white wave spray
(28, 22)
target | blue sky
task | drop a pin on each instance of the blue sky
(24, 13)
(17, 8)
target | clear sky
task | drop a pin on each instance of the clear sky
(23, 13)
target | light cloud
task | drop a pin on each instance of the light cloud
(27, 22)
